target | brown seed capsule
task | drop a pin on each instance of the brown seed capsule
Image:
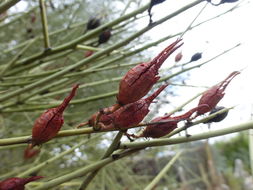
(138, 81)
(17, 183)
(130, 114)
(165, 125)
(213, 95)
(50, 122)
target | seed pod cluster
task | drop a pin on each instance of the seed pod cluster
(207, 103)
(130, 108)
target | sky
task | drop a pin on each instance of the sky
(213, 38)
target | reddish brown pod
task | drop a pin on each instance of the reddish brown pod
(165, 124)
(178, 57)
(17, 183)
(213, 95)
(129, 115)
(30, 152)
(140, 79)
(88, 53)
(33, 18)
(50, 122)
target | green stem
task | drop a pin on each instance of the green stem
(109, 151)
(158, 177)
(83, 171)
(7, 4)
(63, 133)
(44, 24)
(15, 58)
(179, 140)
(49, 161)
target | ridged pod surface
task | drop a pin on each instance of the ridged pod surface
(213, 95)
(50, 122)
(162, 129)
(138, 81)
(131, 114)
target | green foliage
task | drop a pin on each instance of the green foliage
(236, 147)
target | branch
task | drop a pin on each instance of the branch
(29, 171)
(110, 150)
(15, 58)
(160, 175)
(44, 24)
(65, 133)
(83, 171)
(7, 4)
(179, 140)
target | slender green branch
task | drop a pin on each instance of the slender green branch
(83, 171)
(49, 161)
(178, 140)
(65, 133)
(110, 150)
(44, 24)
(7, 4)
(15, 58)
(161, 174)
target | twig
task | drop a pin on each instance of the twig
(7, 4)
(161, 174)
(56, 157)
(179, 140)
(44, 24)
(15, 58)
(109, 151)
(82, 171)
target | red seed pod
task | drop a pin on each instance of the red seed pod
(167, 125)
(178, 57)
(130, 114)
(88, 53)
(212, 96)
(102, 115)
(33, 18)
(30, 152)
(140, 79)
(50, 122)
(17, 183)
